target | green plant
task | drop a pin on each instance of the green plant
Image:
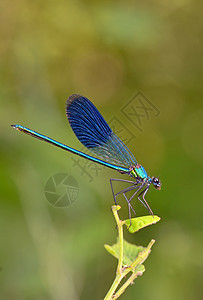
(130, 257)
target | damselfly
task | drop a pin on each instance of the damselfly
(95, 134)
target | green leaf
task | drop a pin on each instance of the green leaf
(130, 252)
(140, 222)
(140, 269)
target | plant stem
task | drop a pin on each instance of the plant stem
(126, 284)
(142, 256)
(113, 287)
(120, 241)
(119, 275)
(123, 271)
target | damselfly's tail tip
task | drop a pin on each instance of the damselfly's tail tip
(15, 127)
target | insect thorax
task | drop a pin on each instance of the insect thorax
(138, 171)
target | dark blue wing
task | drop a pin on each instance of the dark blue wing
(95, 134)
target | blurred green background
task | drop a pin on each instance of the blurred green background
(107, 51)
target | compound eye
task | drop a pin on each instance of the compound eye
(156, 180)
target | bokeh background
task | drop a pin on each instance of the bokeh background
(108, 51)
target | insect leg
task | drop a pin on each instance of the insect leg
(140, 187)
(145, 201)
(115, 179)
(129, 200)
(129, 207)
